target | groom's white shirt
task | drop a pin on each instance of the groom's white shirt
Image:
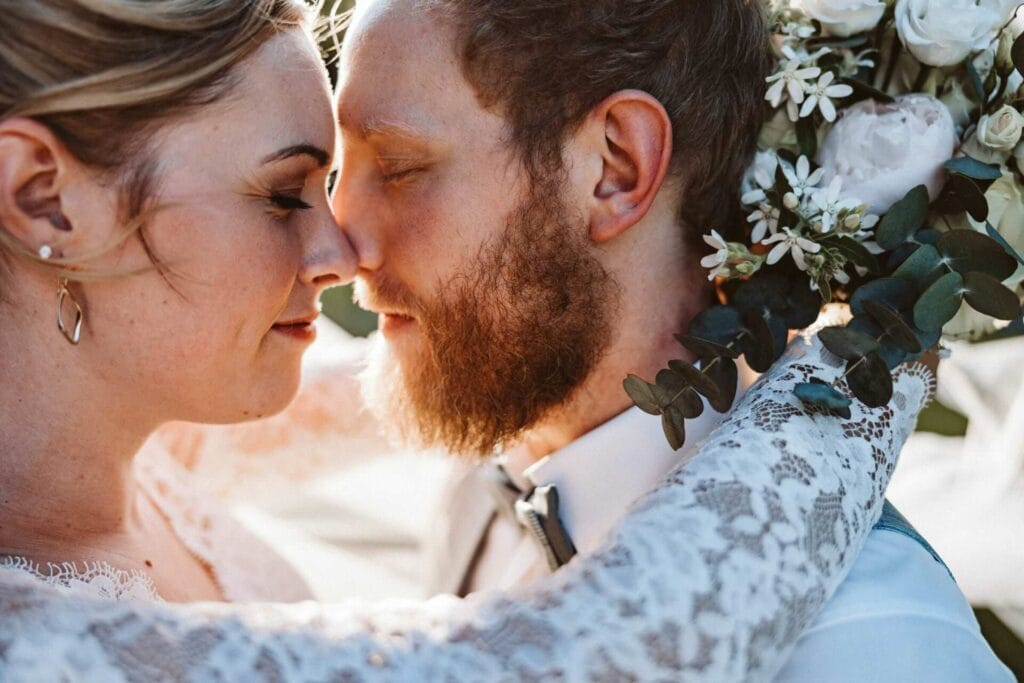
(897, 617)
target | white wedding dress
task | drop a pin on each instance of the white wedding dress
(713, 576)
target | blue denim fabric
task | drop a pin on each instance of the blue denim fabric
(892, 520)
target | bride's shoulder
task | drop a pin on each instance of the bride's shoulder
(89, 579)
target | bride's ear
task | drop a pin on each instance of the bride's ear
(37, 174)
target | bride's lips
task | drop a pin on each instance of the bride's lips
(300, 329)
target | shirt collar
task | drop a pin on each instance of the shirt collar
(601, 474)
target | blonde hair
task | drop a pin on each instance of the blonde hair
(103, 75)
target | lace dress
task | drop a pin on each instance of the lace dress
(713, 576)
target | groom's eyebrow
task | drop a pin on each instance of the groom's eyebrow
(320, 155)
(380, 128)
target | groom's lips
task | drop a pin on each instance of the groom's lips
(393, 323)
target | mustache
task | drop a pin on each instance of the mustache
(384, 293)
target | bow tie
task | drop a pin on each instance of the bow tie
(536, 511)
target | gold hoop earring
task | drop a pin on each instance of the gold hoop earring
(75, 335)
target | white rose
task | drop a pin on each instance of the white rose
(945, 33)
(996, 136)
(881, 151)
(844, 17)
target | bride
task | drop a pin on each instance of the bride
(163, 174)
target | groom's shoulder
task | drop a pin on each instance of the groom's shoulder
(899, 615)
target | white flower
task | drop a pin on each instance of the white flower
(800, 178)
(789, 241)
(819, 94)
(717, 260)
(760, 176)
(830, 203)
(945, 33)
(853, 62)
(791, 78)
(844, 17)
(765, 220)
(996, 136)
(881, 151)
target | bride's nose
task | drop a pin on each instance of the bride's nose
(329, 258)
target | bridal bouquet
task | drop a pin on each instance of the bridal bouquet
(888, 177)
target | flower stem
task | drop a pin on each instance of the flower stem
(894, 57)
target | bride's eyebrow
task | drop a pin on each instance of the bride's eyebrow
(320, 155)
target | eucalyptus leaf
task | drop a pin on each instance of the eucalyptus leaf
(894, 292)
(904, 219)
(895, 327)
(939, 303)
(822, 395)
(974, 169)
(641, 393)
(673, 390)
(674, 426)
(758, 345)
(1007, 247)
(803, 306)
(847, 343)
(870, 380)
(720, 324)
(725, 375)
(1017, 54)
(890, 353)
(762, 293)
(969, 251)
(927, 236)
(694, 377)
(863, 91)
(987, 295)
(925, 260)
(705, 350)
(962, 194)
(853, 251)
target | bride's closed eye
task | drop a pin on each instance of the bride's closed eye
(283, 203)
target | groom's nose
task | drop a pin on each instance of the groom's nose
(360, 225)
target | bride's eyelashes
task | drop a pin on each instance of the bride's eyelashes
(397, 176)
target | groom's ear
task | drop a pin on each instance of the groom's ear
(631, 133)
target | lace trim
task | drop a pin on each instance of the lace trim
(96, 579)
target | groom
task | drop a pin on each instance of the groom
(526, 183)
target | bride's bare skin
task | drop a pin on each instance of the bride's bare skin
(248, 241)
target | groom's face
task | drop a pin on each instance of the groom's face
(493, 304)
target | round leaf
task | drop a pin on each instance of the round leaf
(895, 327)
(962, 194)
(674, 426)
(760, 293)
(893, 292)
(694, 377)
(672, 389)
(969, 251)
(720, 324)
(847, 343)
(920, 264)
(939, 303)
(870, 380)
(803, 307)
(904, 219)
(994, 234)
(759, 343)
(641, 393)
(972, 168)
(987, 295)
(725, 376)
(822, 395)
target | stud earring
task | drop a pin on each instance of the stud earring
(74, 335)
(45, 251)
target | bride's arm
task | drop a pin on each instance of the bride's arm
(714, 576)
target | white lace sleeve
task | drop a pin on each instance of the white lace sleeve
(712, 577)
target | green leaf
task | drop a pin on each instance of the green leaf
(939, 303)
(1007, 247)
(1017, 54)
(977, 86)
(725, 375)
(987, 295)
(922, 263)
(853, 251)
(962, 194)
(803, 306)
(673, 390)
(894, 326)
(891, 291)
(822, 395)
(720, 324)
(694, 377)
(641, 393)
(759, 345)
(969, 251)
(847, 343)
(674, 426)
(870, 380)
(705, 350)
(972, 168)
(762, 293)
(904, 219)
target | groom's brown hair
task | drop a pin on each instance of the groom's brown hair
(547, 63)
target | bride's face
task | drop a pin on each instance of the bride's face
(246, 242)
